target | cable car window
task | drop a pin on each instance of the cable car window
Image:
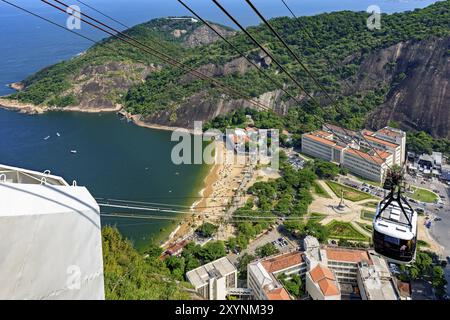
(392, 240)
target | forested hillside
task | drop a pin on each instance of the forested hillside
(392, 74)
(129, 275)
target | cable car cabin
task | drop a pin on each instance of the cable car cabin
(395, 230)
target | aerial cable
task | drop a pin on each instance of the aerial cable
(162, 56)
(316, 103)
(305, 68)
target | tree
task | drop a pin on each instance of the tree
(207, 229)
(326, 170)
(438, 278)
(213, 250)
(293, 285)
(266, 250)
(153, 251)
(129, 276)
(243, 262)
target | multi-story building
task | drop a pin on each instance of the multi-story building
(326, 271)
(321, 284)
(214, 280)
(51, 246)
(367, 154)
(261, 275)
(376, 283)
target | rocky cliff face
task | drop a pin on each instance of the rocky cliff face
(203, 35)
(101, 86)
(201, 107)
(418, 75)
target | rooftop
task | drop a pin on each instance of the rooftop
(371, 158)
(281, 262)
(325, 279)
(320, 139)
(376, 285)
(394, 213)
(346, 255)
(391, 132)
(215, 269)
(277, 294)
(380, 141)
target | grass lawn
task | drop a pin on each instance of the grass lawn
(320, 191)
(422, 243)
(350, 194)
(317, 217)
(367, 215)
(371, 204)
(365, 226)
(344, 230)
(424, 195)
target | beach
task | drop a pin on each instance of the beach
(221, 189)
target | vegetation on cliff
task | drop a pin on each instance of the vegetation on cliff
(128, 275)
(343, 36)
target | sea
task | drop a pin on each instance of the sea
(116, 159)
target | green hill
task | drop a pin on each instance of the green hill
(379, 65)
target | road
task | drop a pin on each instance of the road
(440, 230)
(265, 238)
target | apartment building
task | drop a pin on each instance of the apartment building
(213, 280)
(262, 275)
(327, 272)
(366, 153)
(321, 284)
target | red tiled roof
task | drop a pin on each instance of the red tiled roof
(282, 262)
(328, 287)
(320, 139)
(325, 279)
(366, 156)
(347, 255)
(388, 132)
(322, 133)
(380, 141)
(278, 294)
(404, 288)
(176, 247)
(320, 272)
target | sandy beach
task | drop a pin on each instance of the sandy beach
(220, 187)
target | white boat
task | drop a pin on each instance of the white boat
(58, 134)
(73, 151)
(47, 137)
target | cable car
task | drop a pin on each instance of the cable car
(395, 229)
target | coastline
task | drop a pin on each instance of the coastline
(30, 108)
(211, 178)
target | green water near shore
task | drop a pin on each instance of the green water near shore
(115, 160)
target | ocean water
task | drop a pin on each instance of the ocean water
(29, 44)
(115, 159)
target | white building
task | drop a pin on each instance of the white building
(213, 280)
(261, 275)
(328, 273)
(51, 244)
(321, 284)
(375, 281)
(367, 154)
